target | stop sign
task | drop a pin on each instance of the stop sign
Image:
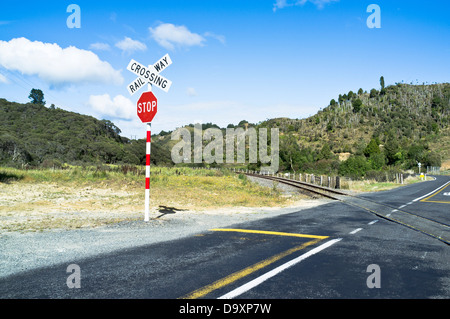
(147, 106)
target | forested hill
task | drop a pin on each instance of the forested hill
(394, 126)
(357, 133)
(39, 136)
(361, 133)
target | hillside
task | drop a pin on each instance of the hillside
(365, 132)
(34, 135)
(357, 134)
(408, 123)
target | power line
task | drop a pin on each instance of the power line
(26, 84)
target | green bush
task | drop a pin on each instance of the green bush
(354, 167)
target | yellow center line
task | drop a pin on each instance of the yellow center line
(267, 232)
(431, 201)
(247, 271)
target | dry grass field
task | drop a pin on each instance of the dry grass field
(36, 200)
(76, 197)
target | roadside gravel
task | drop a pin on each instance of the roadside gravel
(21, 252)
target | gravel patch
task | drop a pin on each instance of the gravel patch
(30, 250)
(283, 188)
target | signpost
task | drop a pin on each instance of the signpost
(147, 106)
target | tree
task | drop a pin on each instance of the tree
(350, 95)
(330, 126)
(391, 149)
(360, 91)
(377, 161)
(372, 148)
(36, 96)
(383, 90)
(433, 159)
(436, 102)
(373, 93)
(325, 152)
(354, 166)
(416, 153)
(356, 105)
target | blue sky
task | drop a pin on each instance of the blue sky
(232, 60)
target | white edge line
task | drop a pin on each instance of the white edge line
(255, 282)
(415, 200)
(355, 231)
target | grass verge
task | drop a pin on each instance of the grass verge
(373, 186)
(76, 197)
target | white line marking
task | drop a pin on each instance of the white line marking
(373, 222)
(388, 215)
(402, 206)
(415, 200)
(409, 203)
(255, 282)
(395, 210)
(355, 231)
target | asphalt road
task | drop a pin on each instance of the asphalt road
(337, 250)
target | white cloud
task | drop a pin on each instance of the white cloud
(218, 37)
(168, 36)
(191, 92)
(99, 46)
(54, 64)
(130, 45)
(3, 79)
(280, 4)
(119, 106)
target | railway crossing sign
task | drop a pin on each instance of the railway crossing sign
(149, 74)
(147, 106)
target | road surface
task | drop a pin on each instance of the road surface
(336, 250)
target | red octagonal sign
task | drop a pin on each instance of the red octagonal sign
(147, 105)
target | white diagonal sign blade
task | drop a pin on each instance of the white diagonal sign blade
(163, 63)
(149, 74)
(154, 78)
(134, 86)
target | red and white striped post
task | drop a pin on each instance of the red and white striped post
(147, 167)
(147, 172)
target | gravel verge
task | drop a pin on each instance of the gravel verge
(26, 251)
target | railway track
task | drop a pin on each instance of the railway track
(431, 227)
(311, 188)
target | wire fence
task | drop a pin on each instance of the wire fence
(336, 181)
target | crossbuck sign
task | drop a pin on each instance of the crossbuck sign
(147, 106)
(149, 74)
